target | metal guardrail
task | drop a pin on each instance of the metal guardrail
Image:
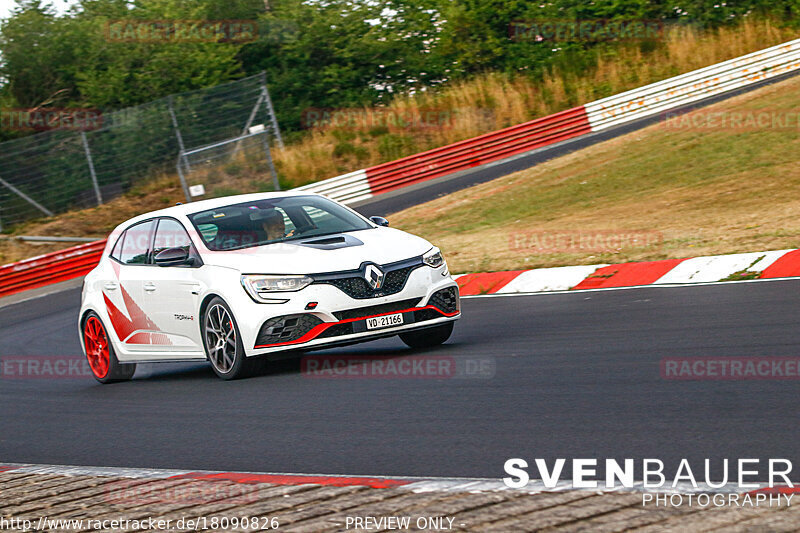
(348, 188)
(50, 268)
(46, 239)
(687, 88)
(486, 148)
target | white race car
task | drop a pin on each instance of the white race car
(232, 279)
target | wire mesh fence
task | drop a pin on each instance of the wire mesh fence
(210, 170)
(62, 169)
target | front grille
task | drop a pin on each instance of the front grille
(445, 299)
(395, 280)
(286, 328)
(372, 310)
(354, 284)
(353, 287)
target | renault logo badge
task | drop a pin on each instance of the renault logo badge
(374, 277)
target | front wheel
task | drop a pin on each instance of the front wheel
(428, 337)
(100, 353)
(223, 343)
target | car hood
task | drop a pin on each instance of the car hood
(322, 254)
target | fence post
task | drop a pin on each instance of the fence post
(184, 185)
(272, 118)
(178, 133)
(91, 168)
(275, 182)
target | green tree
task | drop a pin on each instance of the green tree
(343, 53)
(69, 60)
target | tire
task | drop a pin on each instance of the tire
(428, 337)
(223, 343)
(100, 353)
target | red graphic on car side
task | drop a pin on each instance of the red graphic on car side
(124, 326)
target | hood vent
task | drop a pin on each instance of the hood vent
(333, 242)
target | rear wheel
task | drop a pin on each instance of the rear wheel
(428, 337)
(223, 343)
(100, 353)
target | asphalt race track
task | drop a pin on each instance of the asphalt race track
(575, 375)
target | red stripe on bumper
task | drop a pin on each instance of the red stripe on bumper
(316, 331)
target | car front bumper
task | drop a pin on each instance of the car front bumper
(340, 319)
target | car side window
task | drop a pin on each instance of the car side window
(171, 234)
(115, 253)
(136, 245)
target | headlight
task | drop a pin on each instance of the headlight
(433, 258)
(260, 287)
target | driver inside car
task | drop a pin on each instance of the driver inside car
(274, 226)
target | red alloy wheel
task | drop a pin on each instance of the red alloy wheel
(97, 351)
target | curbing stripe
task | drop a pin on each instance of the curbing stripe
(296, 479)
(413, 484)
(549, 279)
(628, 274)
(785, 266)
(486, 283)
(712, 268)
(671, 272)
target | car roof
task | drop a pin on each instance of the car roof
(202, 205)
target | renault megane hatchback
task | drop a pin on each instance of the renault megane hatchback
(235, 279)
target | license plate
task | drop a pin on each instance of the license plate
(384, 321)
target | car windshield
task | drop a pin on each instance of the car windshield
(259, 222)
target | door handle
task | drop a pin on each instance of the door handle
(110, 286)
(149, 287)
(193, 287)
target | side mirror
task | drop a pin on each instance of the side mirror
(380, 221)
(173, 257)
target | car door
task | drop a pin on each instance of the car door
(123, 293)
(172, 292)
